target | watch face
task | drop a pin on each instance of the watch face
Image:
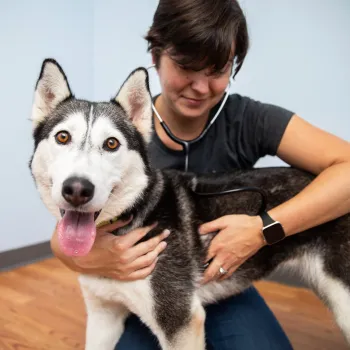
(274, 233)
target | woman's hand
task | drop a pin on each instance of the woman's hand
(239, 237)
(117, 257)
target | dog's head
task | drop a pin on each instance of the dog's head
(89, 162)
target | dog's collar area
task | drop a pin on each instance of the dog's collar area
(107, 222)
(122, 217)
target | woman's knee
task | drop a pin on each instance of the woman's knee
(137, 336)
(244, 322)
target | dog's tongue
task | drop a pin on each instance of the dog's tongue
(76, 233)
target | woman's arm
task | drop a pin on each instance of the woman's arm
(325, 198)
(120, 258)
(325, 155)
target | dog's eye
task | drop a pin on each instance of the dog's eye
(111, 144)
(62, 137)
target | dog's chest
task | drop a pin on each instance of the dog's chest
(135, 295)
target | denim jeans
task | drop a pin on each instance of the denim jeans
(242, 322)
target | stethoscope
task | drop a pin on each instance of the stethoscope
(186, 146)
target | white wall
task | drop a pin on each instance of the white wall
(29, 32)
(119, 47)
(298, 59)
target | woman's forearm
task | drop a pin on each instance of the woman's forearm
(326, 198)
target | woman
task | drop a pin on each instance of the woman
(196, 45)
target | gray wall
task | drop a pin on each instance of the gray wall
(298, 59)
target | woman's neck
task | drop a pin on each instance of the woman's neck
(181, 127)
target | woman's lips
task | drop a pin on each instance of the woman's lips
(193, 101)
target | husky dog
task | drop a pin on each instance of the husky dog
(90, 165)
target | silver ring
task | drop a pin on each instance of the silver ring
(223, 271)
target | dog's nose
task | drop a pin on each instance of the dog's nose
(77, 191)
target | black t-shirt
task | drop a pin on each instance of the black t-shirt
(245, 131)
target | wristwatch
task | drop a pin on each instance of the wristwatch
(273, 231)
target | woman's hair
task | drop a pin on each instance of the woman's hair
(199, 34)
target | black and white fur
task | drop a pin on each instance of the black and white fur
(170, 301)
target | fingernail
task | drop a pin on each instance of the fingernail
(166, 233)
(163, 244)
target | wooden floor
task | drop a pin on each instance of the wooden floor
(41, 308)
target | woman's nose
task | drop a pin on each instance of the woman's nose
(200, 83)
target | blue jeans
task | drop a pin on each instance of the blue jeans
(242, 322)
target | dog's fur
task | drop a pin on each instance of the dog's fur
(170, 301)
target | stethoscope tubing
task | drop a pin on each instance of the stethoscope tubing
(184, 143)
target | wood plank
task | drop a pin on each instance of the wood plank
(41, 308)
(307, 322)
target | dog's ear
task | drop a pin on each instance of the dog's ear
(135, 97)
(51, 88)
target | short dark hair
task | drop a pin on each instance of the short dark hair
(199, 33)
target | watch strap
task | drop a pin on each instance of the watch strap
(272, 231)
(266, 219)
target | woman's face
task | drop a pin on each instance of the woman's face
(189, 93)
